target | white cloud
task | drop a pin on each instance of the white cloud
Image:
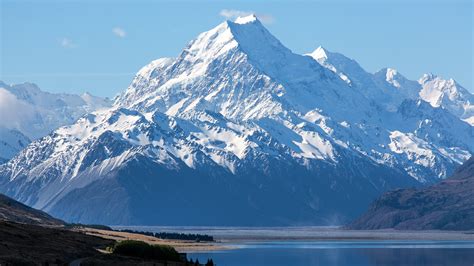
(13, 112)
(119, 32)
(67, 43)
(232, 14)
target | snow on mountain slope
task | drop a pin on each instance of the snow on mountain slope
(340, 64)
(241, 85)
(31, 113)
(382, 87)
(408, 89)
(389, 88)
(11, 141)
(448, 94)
(242, 130)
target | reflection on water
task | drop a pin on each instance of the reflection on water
(449, 253)
(420, 256)
(329, 252)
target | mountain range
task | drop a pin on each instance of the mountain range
(239, 130)
(28, 113)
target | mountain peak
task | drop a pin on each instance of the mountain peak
(319, 53)
(447, 93)
(408, 88)
(337, 60)
(250, 34)
(246, 34)
(430, 77)
(391, 71)
(244, 31)
(427, 77)
(433, 78)
(246, 19)
(388, 71)
(392, 76)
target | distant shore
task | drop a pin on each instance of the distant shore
(227, 236)
(345, 235)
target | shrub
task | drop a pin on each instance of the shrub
(134, 248)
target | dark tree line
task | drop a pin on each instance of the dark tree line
(196, 263)
(178, 236)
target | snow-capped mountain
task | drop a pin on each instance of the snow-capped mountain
(449, 95)
(382, 88)
(11, 142)
(389, 88)
(27, 113)
(239, 130)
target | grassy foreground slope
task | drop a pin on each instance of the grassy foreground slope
(12, 210)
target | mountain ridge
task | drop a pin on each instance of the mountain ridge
(28, 113)
(266, 135)
(391, 88)
(14, 211)
(447, 205)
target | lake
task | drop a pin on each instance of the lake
(345, 253)
(298, 246)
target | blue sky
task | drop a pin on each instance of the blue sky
(98, 46)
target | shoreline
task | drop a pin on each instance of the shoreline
(230, 238)
(185, 246)
(361, 236)
(310, 233)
